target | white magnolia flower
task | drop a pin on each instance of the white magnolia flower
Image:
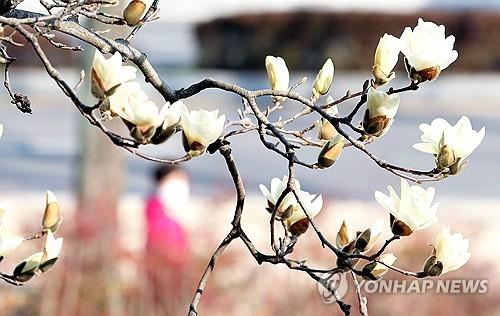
(377, 269)
(1, 130)
(381, 108)
(451, 145)
(452, 250)
(427, 50)
(141, 115)
(132, 104)
(297, 223)
(200, 129)
(107, 74)
(323, 80)
(278, 74)
(386, 58)
(169, 120)
(171, 114)
(274, 192)
(289, 210)
(52, 247)
(412, 211)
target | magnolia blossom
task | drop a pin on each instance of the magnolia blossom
(290, 210)
(386, 58)
(278, 74)
(412, 211)
(381, 108)
(274, 192)
(451, 251)
(427, 49)
(298, 223)
(376, 270)
(171, 116)
(132, 104)
(323, 80)
(451, 145)
(1, 130)
(108, 74)
(200, 129)
(141, 115)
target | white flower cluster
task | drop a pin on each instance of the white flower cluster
(413, 210)
(427, 52)
(426, 48)
(410, 212)
(112, 84)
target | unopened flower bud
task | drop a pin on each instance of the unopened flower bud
(432, 267)
(386, 57)
(344, 235)
(381, 109)
(331, 152)
(51, 217)
(279, 76)
(50, 251)
(132, 14)
(375, 270)
(367, 239)
(323, 80)
(25, 270)
(326, 130)
(363, 240)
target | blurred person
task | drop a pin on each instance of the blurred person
(167, 245)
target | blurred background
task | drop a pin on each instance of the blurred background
(106, 267)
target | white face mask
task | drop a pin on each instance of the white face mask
(174, 194)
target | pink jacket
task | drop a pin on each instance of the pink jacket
(166, 238)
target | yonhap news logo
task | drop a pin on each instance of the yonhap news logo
(338, 284)
(332, 287)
